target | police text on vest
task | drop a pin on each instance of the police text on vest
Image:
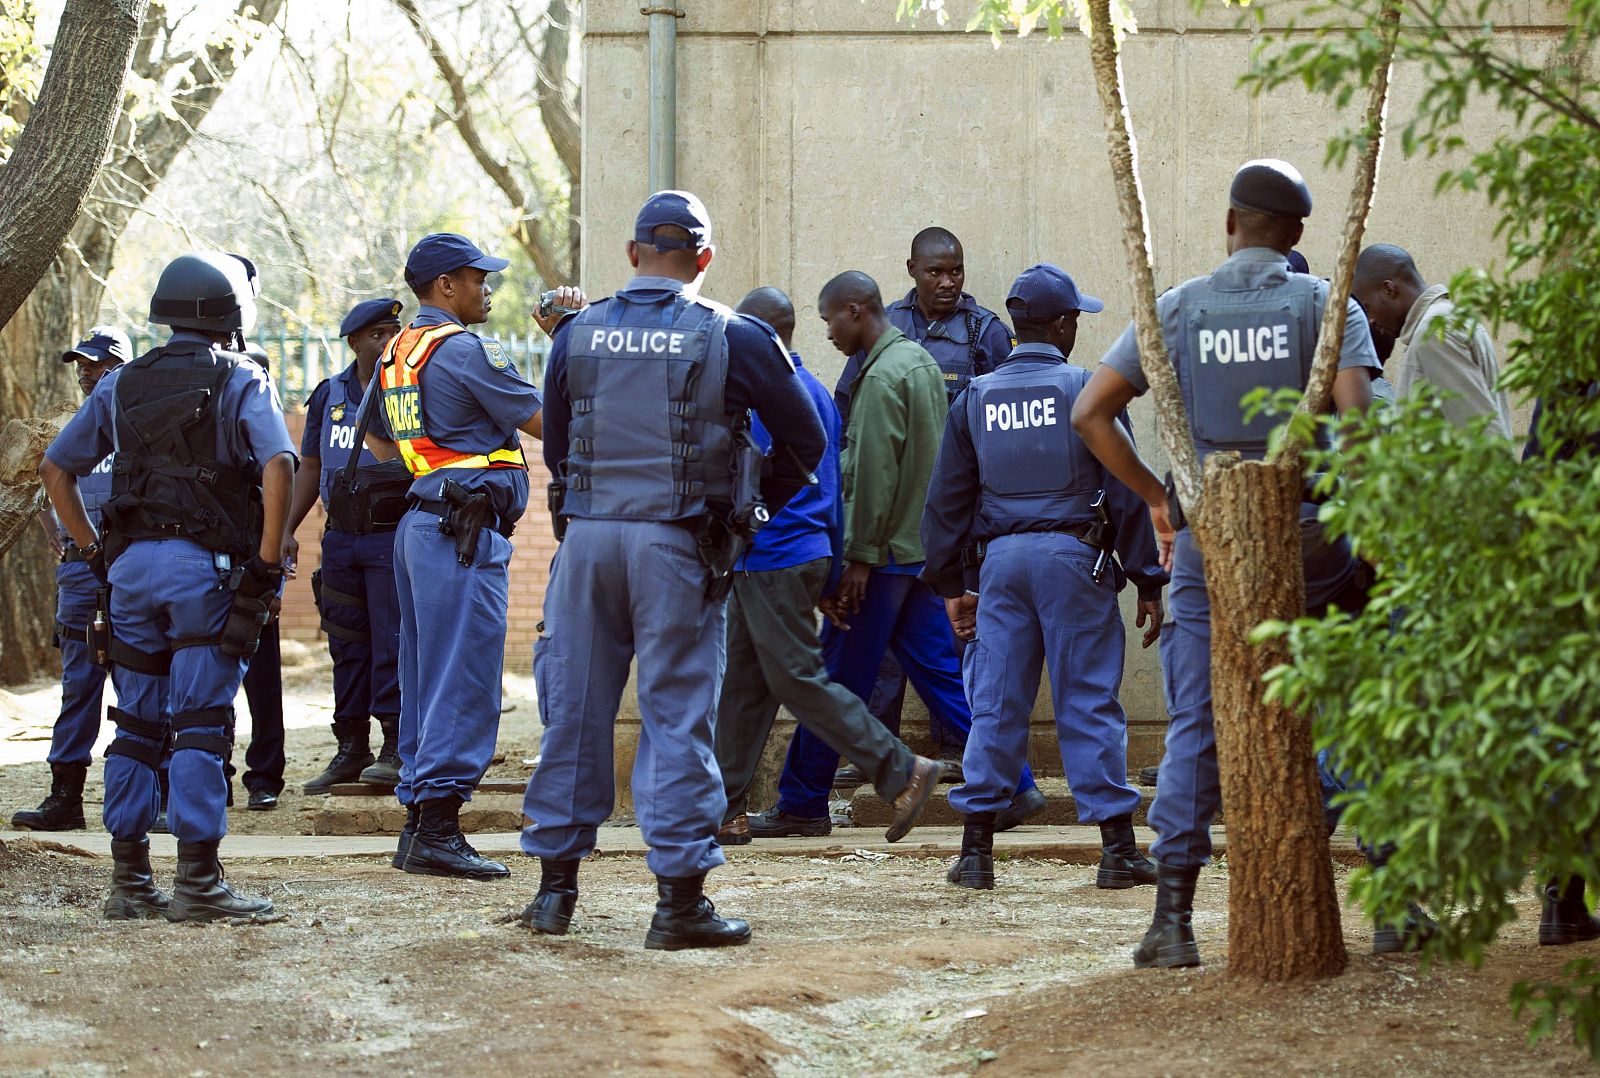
(1245, 345)
(1017, 415)
(638, 341)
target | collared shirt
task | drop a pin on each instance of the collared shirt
(994, 341)
(332, 418)
(250, 429)
(808, 528)
(473, 401)
(953, 519)
(891, 441)
(1459, 362)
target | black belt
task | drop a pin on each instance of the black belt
(440, 507)
(1083, 531)
(71, 554)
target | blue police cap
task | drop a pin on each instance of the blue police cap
(678, 208)
(444, 252)
(103, 343)
(1044, 292)
(371, 312)
(1270, 186)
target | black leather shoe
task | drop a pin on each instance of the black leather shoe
(1169, 943)
(685, 918)
(1121, 864)
(1566, 917)
(199, 893)
(550, 911)
(134, 896)
(1149, 775)
(440, 849)
(975, 867)
(1410, 934)
(1023, 807)
(262, 801)
(775, 823)
(352, 758)
(951, 772)
(849, 777)
(62, 808)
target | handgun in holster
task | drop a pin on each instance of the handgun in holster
(723, 543)
(1174, 507)
(468, 512)
(555, 496)
(99, 631)
(973, 553)
(1102, 533)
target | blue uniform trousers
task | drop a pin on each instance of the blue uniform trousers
(1188, 791)
(620, 590)
(366, 673)
(82, 682)
(899, 613)
(1041, 609)
(452, 653)
(163, 591)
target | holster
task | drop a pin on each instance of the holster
(1102, 534)
(247, 619)
(1174, 506)
(555, 497)
(973, 553)
(316, 589)
(468, 512)
(98, 634)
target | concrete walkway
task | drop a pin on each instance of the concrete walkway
(1075, 845)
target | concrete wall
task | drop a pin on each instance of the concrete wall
(823, 134)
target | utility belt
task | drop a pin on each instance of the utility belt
(464, 514)
(973, 554)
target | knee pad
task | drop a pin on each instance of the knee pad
(122, 745)
(186, 735)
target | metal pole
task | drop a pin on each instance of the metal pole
(663, 95)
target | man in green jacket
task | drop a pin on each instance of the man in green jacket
(896, 422)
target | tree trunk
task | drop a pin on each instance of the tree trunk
(1283, 911)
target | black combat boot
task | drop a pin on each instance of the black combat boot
(686, 918)
(354, 755)
(408, 834)
(1121, 864)
(1170, 941)
(1415, 929)
(199, 893)
(385, 771)
(440, 849)
(1566, 917)
(62, 810)
(975, 867)
(134, 896)
(550, 911)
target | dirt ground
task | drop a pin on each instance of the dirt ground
(857, 967)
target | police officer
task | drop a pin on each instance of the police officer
(193, 534)
(454, 407)
(82, 682)
(647, 393)
(1251, 323)
(355, 587)
(1013, 477)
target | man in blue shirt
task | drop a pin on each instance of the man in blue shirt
(774, 656)
(454, 406)
(194, 535)
(1014, 481)
(355, 586)
(82, 682)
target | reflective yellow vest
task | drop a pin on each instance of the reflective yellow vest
(400, 376)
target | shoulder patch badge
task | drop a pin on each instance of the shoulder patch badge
(495, 352)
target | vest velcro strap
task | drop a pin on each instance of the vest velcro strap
(686, 409)
(190, 739)
(148, 755)
(339, 632)
(341, 598)
(203, 716)
(688, 490)
(578, 482)
(685, 451)
(155, 663)
(583, 406)
(133, 724)
(581, 446)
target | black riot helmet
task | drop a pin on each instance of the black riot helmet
(210, 291)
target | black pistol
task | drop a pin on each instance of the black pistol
(468, 512)
(1103, 534)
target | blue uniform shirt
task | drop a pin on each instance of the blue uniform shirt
(331, 421)
(473, 401)
(811, 525)
(994, 344)
(951, 519)
(250, 428)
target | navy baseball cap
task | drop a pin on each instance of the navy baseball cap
(370, 312)
(443, 252)
(1270, 186)
(678, 208)
(1045, 292)
(103, 343)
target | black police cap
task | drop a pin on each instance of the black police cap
(1270, 186)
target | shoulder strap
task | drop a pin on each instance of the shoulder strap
(349, 468)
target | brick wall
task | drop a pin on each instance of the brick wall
(530, 565)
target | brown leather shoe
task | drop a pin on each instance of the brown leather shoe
(736, 832)
(914, 798)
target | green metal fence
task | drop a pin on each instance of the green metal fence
(301, 360)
